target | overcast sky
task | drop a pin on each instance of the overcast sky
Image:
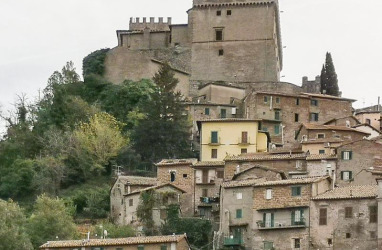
(40, 36)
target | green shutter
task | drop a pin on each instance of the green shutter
(272, 220)
(342, 155)
(141, 247)
(206, 111)
(292, 217)
(163, 247)
(214, 137)
(350, 155)
(239, 213)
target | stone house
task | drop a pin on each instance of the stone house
(164, 195)
(367, 128)
(321, 165)
(320, 139)
(122, 186)
(373, 118)
(219, 137)
(173, 242)
(347, 121)
(358, 162)
(208, 178)
(345, 218)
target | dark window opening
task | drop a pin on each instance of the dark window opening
(131, 202)
(296, 117)
(184, 175)
(219, 35)
(172, 176)
(314, 102)
(214, 153)
(321, 151)
(348, 235)
(277, 99)
(218, 12)
(243, 150)
(368, 121)
(320, 136)
(297, 243)
(296, 191)
(223, 113)
(373, 216)
(229, 12)
(277, 115)
(220, 174)
(207, 111)
(314, 117)
(330, 242)
(297, 101)
(221, 52)
(265, 99)
(348, 212)
(323, 216)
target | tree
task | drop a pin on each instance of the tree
(51, 220)
(115, 231)
(13, 233)
(163, 131)
(329, 81)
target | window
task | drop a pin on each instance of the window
(119, 248)
(320, 136)
(297, 101)
(314, 102)
(172, 176)
(239, 196)
(296, 117)
(239, 213)
(373, 214)
(229, 12)
(223, 113)
(297, 243)
(141, 247)
(346, 175)
(323, 216)
(205, 176)
(330, 242)
(184, 175)
(368, 121)
(218, 35)
(244, 137)
(218, 12)
(243, 151)
(121, 201)
(346, 155)
(268, 245)
(163, 247)
(220, 174)
(131, 202)
(214, 153)
(214, 137)
(348, 212)
(277, 114)
(313, 117)
(163, 214)
(268, 219)
(204, 192)
(207, 111)
(321, 151)
(277, 129)
(348, 235)
(277, 99)
(297, 217)
(221, 52)
(265, 129)
(265, 99)
(296, 191)
(268, 194)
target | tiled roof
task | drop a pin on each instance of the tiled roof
(349, 116)
(321, 157)
(261, 167)
(242, 183)
(155, 187)
(230, 120)
(171, 162)
(329, 97)
(311, 126)
(322, 140)
(232, 4)
(113, 242)
(137, 180)
(294, 181)
(349, 192)
(263, 156)
(209, 164)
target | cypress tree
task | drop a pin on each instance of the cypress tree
(329, 81)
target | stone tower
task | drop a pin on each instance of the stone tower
(235, 40)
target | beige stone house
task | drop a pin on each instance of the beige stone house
(347, 121)
(345, 218)
(367, 128)
(373, 118)
(173, 242)
(122, 186)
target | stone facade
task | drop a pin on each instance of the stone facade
(373, 118)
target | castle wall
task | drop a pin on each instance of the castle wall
(221, 94)
(180, 35)
(137, 24)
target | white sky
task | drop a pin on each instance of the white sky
(38, 37)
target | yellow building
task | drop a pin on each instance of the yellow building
(219, 137)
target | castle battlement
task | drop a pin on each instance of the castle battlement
(198, 2)
(136, 24)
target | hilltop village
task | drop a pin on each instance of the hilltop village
(281, 165)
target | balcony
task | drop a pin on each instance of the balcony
(208, 200)
(244, 140)
(214, 141)
(281, 224)
(232, 241)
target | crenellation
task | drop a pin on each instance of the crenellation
(137, 25)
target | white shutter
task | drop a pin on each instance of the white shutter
(198, 176)
(268, 194)
(268, 219)
(297, 216)
(211, 175)
(239, 196)
(346, 175)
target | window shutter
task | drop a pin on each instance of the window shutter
(342, 155)
(350, 175)
(272, 220)
(264, 218)
(292, 217)
(342, 172)
(350, 155)
(301, 215)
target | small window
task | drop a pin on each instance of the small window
(220, 174)
(204, 192)
(277, 115)
(277, 129)
(320, 136)
(218, 12)
(214, 153)
(277, 99)
(243, 151)
(348, 212)
(296, 117)
(368, 121)
(373, 214)
(330, 242)
(221, 52)
(346, 175)
(323, 216)
(268, 245)
(223, 113)
(239, 213)
(239, 196)
(314, 102)
(268, 194)
(172, 176)
(297, 101)
(229, 12)
(348, 235)
(244, 137)
(131, 202)
(219, 35)
(296, 191)
(313, 117)
(141, 247)
(265, 129)
(207, 111)
(265, 99)
(321, 151)
(297, 243)
(214, 137)
(346, 155)
(185, 175)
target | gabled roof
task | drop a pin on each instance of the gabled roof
(114, 242)
(335, 119)
(283, 175)
(294, 181)
(349, 192)
(156, 187)
(176, 162)
(322, 140)
(209, 164)
(263, 157)
(312, 126)
(367, 125)
(374, 140)
(137, 180)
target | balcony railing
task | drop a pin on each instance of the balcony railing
(244, 140)
(283, 224)
(215, 141)
(209, 200)
(232, 241)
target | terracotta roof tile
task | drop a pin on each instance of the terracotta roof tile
(321, 157)
(209, 164)
(323, 140)
(230, 120)
(264, 156)
(242, 183)
(311, 126)
(137, 180)
(113, 242)
(349, 192)
(155, 187)
(306, 180)
(171, 162)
